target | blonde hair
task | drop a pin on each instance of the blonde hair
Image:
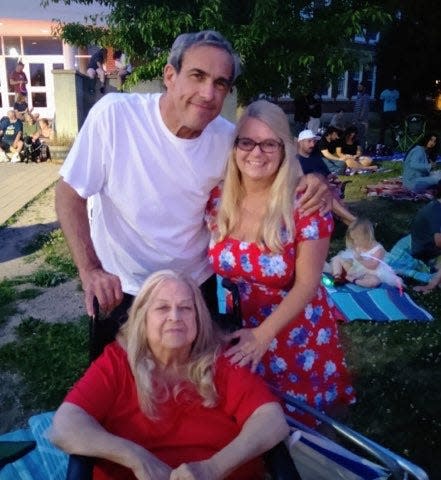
(152, 388)
(278, 213)
(364, 226)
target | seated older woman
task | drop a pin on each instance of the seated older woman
(161, 402)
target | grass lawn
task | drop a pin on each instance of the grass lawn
(396, 366)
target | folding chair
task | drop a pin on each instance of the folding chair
(412, 131)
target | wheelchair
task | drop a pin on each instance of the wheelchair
(335, 462)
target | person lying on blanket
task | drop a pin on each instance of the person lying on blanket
(162, 401)
(363, 262)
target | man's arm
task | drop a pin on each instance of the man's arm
(317, 195)
(330, 156)
(71, 210)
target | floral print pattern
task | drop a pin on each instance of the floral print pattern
(306, 358)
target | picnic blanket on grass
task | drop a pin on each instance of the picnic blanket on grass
(381, 304)
(394, 189)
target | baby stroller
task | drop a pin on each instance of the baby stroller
(34, 151)
(412, 130)
(306, 455)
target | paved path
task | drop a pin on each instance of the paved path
(21, 182)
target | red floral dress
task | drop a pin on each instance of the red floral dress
(305, 359)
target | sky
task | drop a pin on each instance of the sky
(31, 9)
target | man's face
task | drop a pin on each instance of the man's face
(196, 94)
(19, 67)
(360, 88)
(306, 147)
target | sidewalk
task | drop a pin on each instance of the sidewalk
(21, 182)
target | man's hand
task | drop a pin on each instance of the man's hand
(105, 286)
(317, 195)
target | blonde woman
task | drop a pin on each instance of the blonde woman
(275, 253)
(161, 403)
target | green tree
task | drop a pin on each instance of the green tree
(285, 46)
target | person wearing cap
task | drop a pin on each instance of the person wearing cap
(151, 184)
(309, 158)
(311, 161)
(18, 80)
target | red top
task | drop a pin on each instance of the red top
(18, 77)
(187, 431)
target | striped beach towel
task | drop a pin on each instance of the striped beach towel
(381, 304)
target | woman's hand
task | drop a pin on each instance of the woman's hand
(195, 471)
(147, 466)
(250, 348)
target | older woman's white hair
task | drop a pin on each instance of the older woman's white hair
(152, 388)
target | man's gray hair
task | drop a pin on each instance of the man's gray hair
(207, 37)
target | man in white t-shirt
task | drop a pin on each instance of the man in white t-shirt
(149, 163)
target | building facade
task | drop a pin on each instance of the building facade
(26, 35)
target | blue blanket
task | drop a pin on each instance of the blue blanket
(383, 303)
(46, 462)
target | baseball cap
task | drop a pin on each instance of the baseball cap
(307, 135)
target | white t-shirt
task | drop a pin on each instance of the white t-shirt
(149, 187)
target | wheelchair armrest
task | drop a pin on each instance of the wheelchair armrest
(80, 467)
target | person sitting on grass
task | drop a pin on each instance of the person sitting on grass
(350, 151)
(425, 233)
(418, 163)
(363, 262)
(328, 146)
(311, 161)
(163, 402)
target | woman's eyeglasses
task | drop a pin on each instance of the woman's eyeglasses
(266, 146)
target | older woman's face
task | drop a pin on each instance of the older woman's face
(171, 319)
(256, 164)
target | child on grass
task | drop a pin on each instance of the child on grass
(362, 262)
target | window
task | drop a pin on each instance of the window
(12, 46)
(341, 84)
(37, 74)
(353, 81)
(42, 46)
(39, 100)
(57, 66)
